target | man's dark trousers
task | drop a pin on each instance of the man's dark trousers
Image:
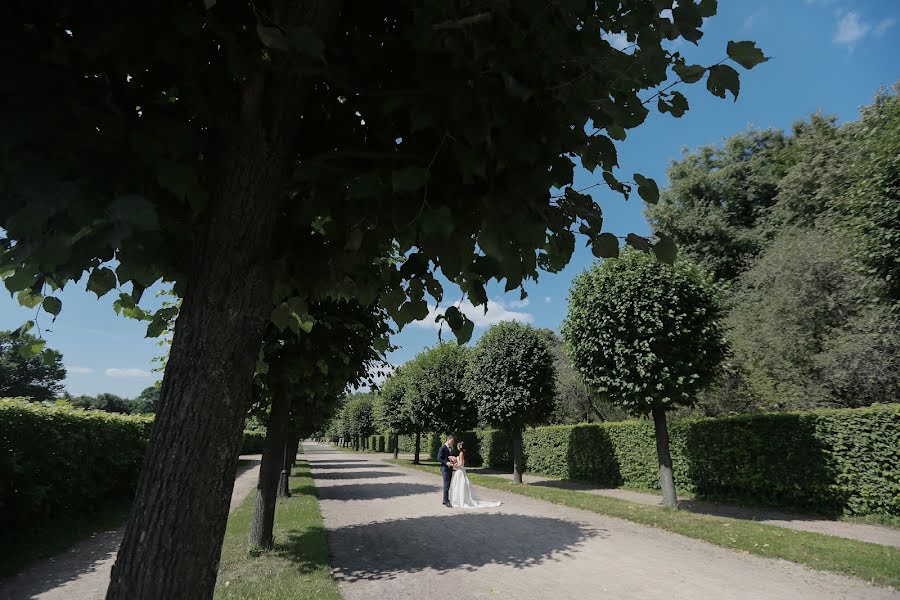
(447, 474)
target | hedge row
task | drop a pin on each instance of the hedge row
(55, 459)
(833, 462)
(64, 459)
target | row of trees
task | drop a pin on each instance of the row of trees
(801, 229)
(266, 156)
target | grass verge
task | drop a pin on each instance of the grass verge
(297, 568)
(872, 562)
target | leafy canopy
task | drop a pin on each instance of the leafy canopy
(434, 389)
(645, 334)
(23, 373)
(431, 129)
(511, 376)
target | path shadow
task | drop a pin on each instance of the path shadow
(357, 475)
(360, 465)
(343, 460)
(451, 542)
(371, 491)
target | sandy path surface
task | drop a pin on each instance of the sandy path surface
(82, 572)
(390, 537)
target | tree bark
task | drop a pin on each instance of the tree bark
(418, 447)
(396, 446)
(173, 538)
(284, 479)
(518, 457)
(666, 476)
(273, 448)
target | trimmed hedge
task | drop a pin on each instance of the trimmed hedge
(253, 443)
(60, 459)
(833, 462)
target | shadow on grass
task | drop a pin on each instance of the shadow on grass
(371, 491)
(359, 465)
(413, 545)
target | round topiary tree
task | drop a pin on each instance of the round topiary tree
(361, 419)
(511, 378)
(391, 410)
(648, 337)
(434, 391)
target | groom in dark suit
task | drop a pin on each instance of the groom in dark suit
(446, 459)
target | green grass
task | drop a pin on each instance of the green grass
(871, 562)
(297, 568)
(52, 536)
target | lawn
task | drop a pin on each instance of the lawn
(871, 562)
(297, 568)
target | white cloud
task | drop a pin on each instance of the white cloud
(548, 299)
(851, 29)
(73, 370)
(120, 373)
(517, 303)
(496, 311)
(883, 26)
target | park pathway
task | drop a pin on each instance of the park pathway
(82, 572)
(389, 537)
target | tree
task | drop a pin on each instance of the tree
(227, 145)
(647, 336)
(361, 417)
(105, 402)
(147, 401)
(434, 389)
(391, 408)
(512, 380)
(38, 377)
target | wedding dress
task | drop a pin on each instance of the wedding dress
(461, 494)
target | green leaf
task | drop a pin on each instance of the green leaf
(272, 37)
(281, 316)
(307, 42)
(52, 305)
(20, 280)
(354, 240)
(746, 54)
(101, 281)
(723, 78)
(454, 318)
(463, 333)
(33, 349)
(647, 189)
(689, 73)
(638, 242)
(409, 179)
(28, 299)
(135, 210)
(22, 330)
(437, 222)
(665, 249)
(605, 245)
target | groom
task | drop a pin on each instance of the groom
(447, 461)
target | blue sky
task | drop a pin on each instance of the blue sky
(827, 55)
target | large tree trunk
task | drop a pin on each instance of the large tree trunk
(273, 449)
(284, 479)
(173, 538)
(418, 448)
(518, 456)
(666, 477)
(396, 446)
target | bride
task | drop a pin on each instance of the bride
(461, 494)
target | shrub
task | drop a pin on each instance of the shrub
(829, 461)
(254, 441)
(56, 459)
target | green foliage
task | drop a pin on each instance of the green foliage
(434, 390)
(105, 402)
(359, 412)
(24, 372)
(644, 334)
(511, 377)
(806, 331)
(253, 441)
(142, 131)
(147, 401)
(391, 408)
(829, 461)
(59, 459)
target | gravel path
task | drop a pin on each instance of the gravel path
(82, 572)
(390, 537)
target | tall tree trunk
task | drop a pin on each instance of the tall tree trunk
(173, 538)
(418, 448)
(284, 480)
(518, 456)
(267, 484)
(666, 476)
(396, 446)
(294, 440)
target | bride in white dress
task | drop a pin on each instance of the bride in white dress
(461, 494)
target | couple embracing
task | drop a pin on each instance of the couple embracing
(457, 489)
